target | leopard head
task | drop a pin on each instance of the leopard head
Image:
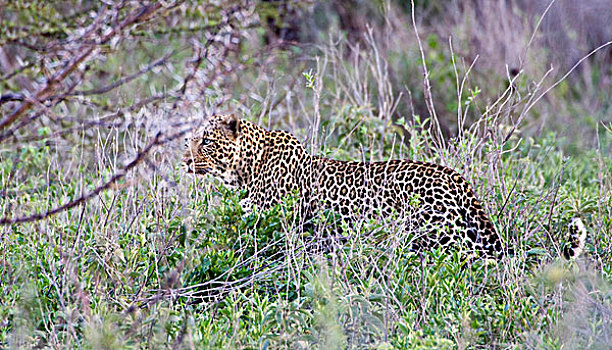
(215, 149)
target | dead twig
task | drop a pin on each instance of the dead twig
(122, 81)
(140, 15)
(427, 86)
(159, 139)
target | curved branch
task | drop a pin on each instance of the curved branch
(140, 15)
(11, 97)
(157, 140)
(121, 81)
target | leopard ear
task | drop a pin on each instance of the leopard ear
(231, 123)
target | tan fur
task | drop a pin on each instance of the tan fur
(436, 200)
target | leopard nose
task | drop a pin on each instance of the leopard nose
(188, 161)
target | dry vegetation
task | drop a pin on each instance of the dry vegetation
(106, 243)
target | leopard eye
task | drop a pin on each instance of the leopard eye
(206, 142)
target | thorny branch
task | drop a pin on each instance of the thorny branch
(159, 139)
(209, 65)
(86, 49)
(121, 81)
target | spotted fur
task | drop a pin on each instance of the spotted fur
(577, 238)
(433, 200)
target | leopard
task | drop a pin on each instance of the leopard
(269, 165)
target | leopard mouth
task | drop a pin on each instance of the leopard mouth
(192, 168)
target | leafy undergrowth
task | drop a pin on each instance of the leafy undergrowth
(176, 261)
(160, 259)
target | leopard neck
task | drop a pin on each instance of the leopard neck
(252, 151)
(281, 156)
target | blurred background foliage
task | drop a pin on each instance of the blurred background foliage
(497, 39)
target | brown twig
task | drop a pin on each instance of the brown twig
(121, 81)
(427, 86)
(16, 71)
(157, 140)
(11, 97)
(140, 15)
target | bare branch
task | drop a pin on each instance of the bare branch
(427, 86)
(16, 71)
(11, 97)
(157, 140)
(121, 81)
(140, 15)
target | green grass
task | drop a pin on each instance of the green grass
(161, 263)
(166, 260)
